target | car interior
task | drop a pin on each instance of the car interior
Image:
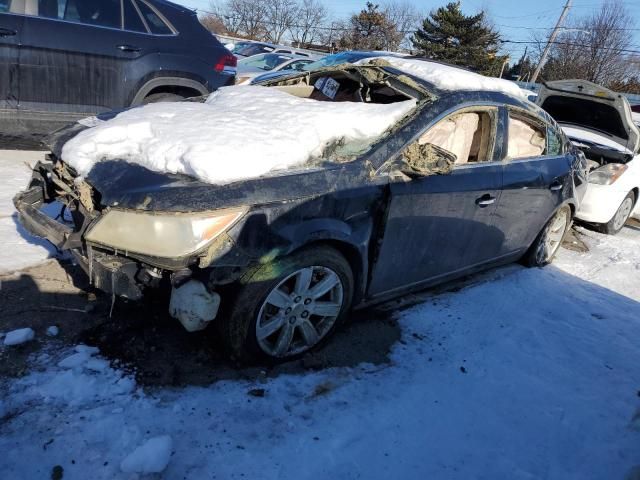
(468, 135)
(525, 139)
(347, 85)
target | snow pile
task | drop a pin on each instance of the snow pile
(445, 77)
(238, 133)
(52, 331)
(19, 249)
(16, 337)
(151, 457)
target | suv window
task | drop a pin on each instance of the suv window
(102, 13)
(132, 20)
(526, 138)
(154, 22)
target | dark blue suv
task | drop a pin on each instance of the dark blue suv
(62, 60)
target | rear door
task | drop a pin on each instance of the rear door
(11, 25)
(74, 58)
(536, 172)
(442, 225)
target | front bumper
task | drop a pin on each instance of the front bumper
(110, 273)
(600, 203)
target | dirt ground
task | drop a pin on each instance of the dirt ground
(141, 337)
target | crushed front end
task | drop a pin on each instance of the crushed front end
(105, 241)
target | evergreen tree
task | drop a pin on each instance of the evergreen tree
(521, 70)
(450, 36)
(371, 29)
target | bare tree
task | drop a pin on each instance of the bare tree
(406, 19)
(369, 30)
(311, 15)
(594, 47)
(243, 18)
(279, 17)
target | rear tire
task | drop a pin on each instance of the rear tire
(621, 216)
(298, 319)
(162, 97)
(548, 241)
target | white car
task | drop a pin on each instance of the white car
(600, 123)
(251, 67)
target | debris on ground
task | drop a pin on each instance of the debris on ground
(17, 337)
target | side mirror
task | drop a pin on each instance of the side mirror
(427, 159)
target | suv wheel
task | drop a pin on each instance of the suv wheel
(290, 306)
(162, 97)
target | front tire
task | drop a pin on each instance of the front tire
(548, 241)
(290, 306)
(621, 216)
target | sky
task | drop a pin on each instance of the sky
(516, 20)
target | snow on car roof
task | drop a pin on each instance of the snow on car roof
(238, 133)
(446, 77)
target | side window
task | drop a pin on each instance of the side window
(102, 13)
(468, 135)
(554, 142)
(154, 22)
(526, 138)
(4, 6)
(132, 20)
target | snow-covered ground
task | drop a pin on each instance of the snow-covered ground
(17, 248)
(533, 373)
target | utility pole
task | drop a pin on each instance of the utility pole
(552, 38)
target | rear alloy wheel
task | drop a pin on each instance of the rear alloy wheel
(549, 240)
(621, 216)
(286, 316)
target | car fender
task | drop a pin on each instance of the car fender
(351, 239)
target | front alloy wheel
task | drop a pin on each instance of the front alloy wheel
(299, 311)
(289, 306)
(621, 216)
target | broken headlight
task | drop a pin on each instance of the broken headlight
(161, 235)
(607, 174)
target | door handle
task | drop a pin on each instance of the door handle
(485, 200)
(7, 32)
(129, 48)
(555, 186)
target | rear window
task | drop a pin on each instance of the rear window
(154, 22)
(132, 20)
(101, 13)
(254, 49)
(593, 115)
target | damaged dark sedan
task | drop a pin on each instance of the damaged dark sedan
(465, 176)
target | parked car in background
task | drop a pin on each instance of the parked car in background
(250, 49)
(251, 67)
(65, 60)
(350, 56)
(600, 123)
(332, 189)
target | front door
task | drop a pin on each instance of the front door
(442, 225)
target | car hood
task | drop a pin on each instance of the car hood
(582, 104)
(131, 186)
(249, 70)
